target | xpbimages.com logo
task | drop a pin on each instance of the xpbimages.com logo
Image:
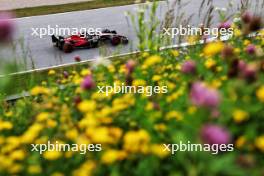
(64, 31)
(61, 147)
(124, 89)
(196, 31)
(189, 147)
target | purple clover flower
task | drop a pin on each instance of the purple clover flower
(7, 27)
(214, 134)
(188, 67)
(88, 83)
(203, 96)
(251, 49)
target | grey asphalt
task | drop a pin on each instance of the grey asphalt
(41, 52)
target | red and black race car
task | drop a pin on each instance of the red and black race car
(84, 40)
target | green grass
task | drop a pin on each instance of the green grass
(43, 10)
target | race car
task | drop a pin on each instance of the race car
(84, 40)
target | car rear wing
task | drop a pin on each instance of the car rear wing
(54, 39)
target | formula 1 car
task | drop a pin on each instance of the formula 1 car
(84, 40)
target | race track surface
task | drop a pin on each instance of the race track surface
(41, 53)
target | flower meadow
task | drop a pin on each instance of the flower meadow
(215, 96)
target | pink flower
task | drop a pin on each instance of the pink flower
(214, 134)
(251, 49)
(203, 96)
(188, 67)
(246, 17)
(225, 25)
(88, 82)
(6, 27)
(242, 65)
(249, 73)
(77, 58)
(65, 74)
(130, 66)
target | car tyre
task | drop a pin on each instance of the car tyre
(115, 40)
(60, 45)
(94, 44)
(125, 40)
(67, 48)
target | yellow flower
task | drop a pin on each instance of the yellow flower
(237, 32)
(86, 169)
(111, 156)
(160, 127)
(105, 112)
(31, 133)
(237, 50)
(5, 125)
(86, 72)
(82, 140)
(219, 69)
(13, 141)
(51, 72)
(192, 39)
(77, 80)
(122, 69)
(88, 121)
(209, 63)
(149, 106)
(216, 83)
(240, 142)
(260, 94)
(39, 90)
(52, 155)
(174, 115)
(213, 48)
(115, 133)
(34, 169)
(246, 42)
(5, 163)
(240, 115)
(42, 116)
(51, 123)
(16, 168)
(87, 106)
(178, 67)
(100, 135)
(192, 109)
(42, 140)
(261, 32)
(72, 134)
(57, 174)
(136, 141)
(187, 57)
(259, 142)
(17, 155)
(2, 140)
(158, 149)
(9, 114)
(224, 78)
(152, 60)
(111, 68)
(175, 53)
(78, 90)
(139, 82)
(171, 85)
(145, 54)
(156, 78)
